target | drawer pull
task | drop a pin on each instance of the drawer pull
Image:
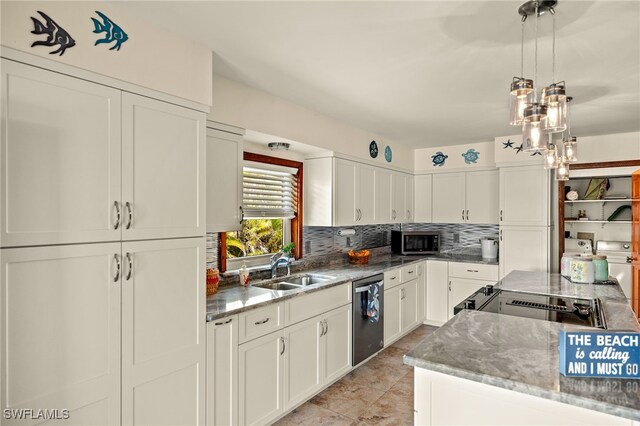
(472, 270)
(263, 321)
(393, 278)
(410, 272)
(224, 322)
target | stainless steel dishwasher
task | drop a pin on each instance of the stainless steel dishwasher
(368, 317)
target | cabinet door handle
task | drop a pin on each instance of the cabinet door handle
(283, 346)
(462, 214)
(224, 322)
(118, 216)
(130, 261)
(393, 278)
(130, 213)
(449, 285)
(467, 214)
(472, 270)
(321, 328)
(262, 322)
(408, 214)
(326, 327)
(501, 235)
(401, 293)
(500, 215)
(410, 272)
(393, 214)
(116, 258)
(241, 214)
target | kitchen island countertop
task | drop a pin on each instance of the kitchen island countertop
(521, 354)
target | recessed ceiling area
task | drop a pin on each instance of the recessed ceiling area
(426, 73)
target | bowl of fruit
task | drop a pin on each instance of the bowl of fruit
(359, 257)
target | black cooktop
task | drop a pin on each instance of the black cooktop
(563, 309)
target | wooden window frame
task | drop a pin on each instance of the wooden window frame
(296, 222)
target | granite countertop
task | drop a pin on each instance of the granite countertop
(522, 354)
(234, 299)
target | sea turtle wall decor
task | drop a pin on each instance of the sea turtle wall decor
(471, 156)
(439, 159)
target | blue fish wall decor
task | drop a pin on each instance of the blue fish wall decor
(112, 31)
(439, 159)
(388, 155)
(471, 156)
(56, 35)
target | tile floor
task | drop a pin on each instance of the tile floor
(379, 392)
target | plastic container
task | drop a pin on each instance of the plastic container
(582, 270)
(243, 273)
(565, 265)
(601, 267)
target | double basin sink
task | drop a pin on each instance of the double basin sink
(294, 283)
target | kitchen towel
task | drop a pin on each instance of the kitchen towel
(373, 303)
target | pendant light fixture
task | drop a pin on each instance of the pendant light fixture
(570, 142)
(542, 114)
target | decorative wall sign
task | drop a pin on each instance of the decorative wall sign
(471, 156)
(439, 159)
(112, 31)
(373, 149)
(600, 354)
(507, 144)
(388, 154)
(56, 35)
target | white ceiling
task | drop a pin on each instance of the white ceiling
(426, 73)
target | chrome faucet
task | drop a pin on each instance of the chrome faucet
(280, 259)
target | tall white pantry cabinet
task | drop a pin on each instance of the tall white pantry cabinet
(102, 252)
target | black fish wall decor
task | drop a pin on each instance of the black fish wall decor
(56, 35)
(112, 31)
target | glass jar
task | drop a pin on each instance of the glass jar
(565, 265)
(601, 267)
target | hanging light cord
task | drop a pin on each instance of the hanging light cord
(535, 73)
(522, 51)
(553, 50)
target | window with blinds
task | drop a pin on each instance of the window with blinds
(269, 191)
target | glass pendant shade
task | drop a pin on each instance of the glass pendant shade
(533, 136)
(562, 172)
(555, 98)
(551, 157)
(571, 149)
(521, 94)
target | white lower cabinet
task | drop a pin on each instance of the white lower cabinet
(222, 371)
(460, 289)
(437, 293)
(467, 278)
(401, 310)
(280, 370)
(421, 269)
(113, 332)
(260, 379)
(316, 352)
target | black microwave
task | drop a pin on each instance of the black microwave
(415, 242)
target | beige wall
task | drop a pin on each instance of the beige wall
(243, 106)
(152, 58)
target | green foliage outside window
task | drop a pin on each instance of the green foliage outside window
(258, 236)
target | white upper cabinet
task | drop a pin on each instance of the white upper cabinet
(448, 197)
(365, 194)
(409, 203)
(224, 180)
(523, 248)
(524, 196)
(422, 199)
(87, 163)
(383, 195)
(340, 192)
(354, 193)
(61, 168)
(163, 163)
(482, 196)
(466, 197)
(345, 193)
